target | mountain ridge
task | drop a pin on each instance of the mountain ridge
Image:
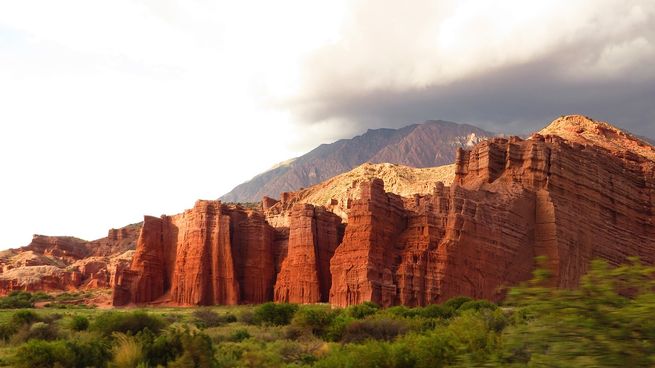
(428, 144)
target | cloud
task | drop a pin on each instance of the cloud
(507, 65)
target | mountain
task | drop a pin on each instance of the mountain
(576, 191)
(432, 143)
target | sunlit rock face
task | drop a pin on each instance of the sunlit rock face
(577, 191)
(58, 263)
(571, 200)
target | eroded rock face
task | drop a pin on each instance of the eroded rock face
(512, 200)
(305, 272)
(579, 190)
(57, 263)
(362, 266)
(211, 254)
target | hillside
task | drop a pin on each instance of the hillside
(430, 144)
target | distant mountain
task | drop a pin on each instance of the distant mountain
(432, 143)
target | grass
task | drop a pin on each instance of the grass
(533, 328)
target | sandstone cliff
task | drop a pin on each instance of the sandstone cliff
(305, 276)
(54, 263)
(211, 254)
(571, 200)
(575, 191)
(578, 190)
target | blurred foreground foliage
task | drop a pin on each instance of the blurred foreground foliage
(606, 322)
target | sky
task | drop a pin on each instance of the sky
(110, 110)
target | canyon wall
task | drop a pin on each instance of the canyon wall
(211, 254)
(510, 201)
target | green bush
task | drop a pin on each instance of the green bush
(239, 335)
(374, 329)
(89, 350)
(44, 354)
(7, 330)
(17, 299)
(161, 349)
(79, 323)
(43, 331)
(22, 299)
(198, 351)
(126, 322)
(363, 310)
(314, 319)
(276, 314)
(435, 311)
(456, 302)
(24, 317)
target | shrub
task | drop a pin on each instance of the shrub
(126, 322)
(41, 296)
(17, 299)
(24, 317)
(477, 305)
(44, 354)
(159, 350)
(435, 311)
(208, 318)
(6, 331)
(42, 331)
(402, 311)
(198, 351)
(247, 316)
(337, 328)
(89, 350)
(127, 351)
(79, 323)
(316, 320)
(363, 310)
(456, 302)
(240, 335)
(275, 314)
(377, 329)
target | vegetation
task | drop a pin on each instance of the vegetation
(606, 322)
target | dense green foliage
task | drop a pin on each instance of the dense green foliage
(275, 314)
(22, 299)
(606, 322)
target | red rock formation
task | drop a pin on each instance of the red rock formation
(363, 265)
(512, 200)
(211, 254)
(577, 191)
(65, 263)
(305, 273)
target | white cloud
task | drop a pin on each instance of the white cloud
(113, 109)
(398, 45)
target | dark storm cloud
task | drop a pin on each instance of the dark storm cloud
(584, 57)
(518, 99)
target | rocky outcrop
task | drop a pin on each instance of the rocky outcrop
(571, 197)
(56, 263)
(511, 200)
(305, 275)
(211, 254)
(362, 266)
(576, 191)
